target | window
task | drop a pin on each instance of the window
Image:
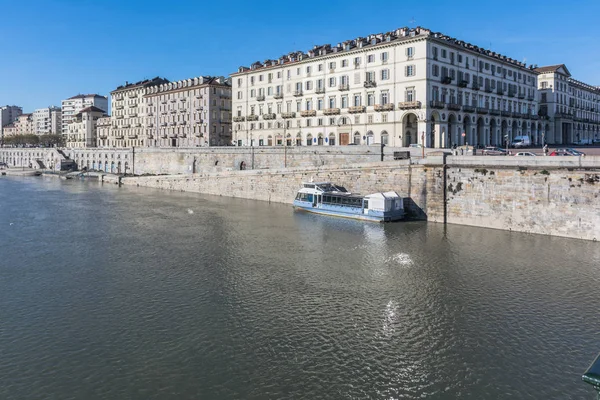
(356, 61)
(384, 57)
(370, 119)
(443, 53)
(297, 71)
(252, 80)
(332, 102)
(252, 93)
(320, 67)
(434, 52)
(385, 74)
(357, 100)
(410, 70)
(370, 58)
(260, 78)
(332, 65)
(344, 63)
(344, 101)
(332, 82)
(410, 52)
(308, 85)
(385, 98)
(308, 105)
(370, 76)
(308, 71)
(410, 94)
(384, 117)
(435, 70)
(319, 104)
(370, 99)
(239, 95)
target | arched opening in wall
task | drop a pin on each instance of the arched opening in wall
(409, 129)
(466, 129)
(242, 165)
(370, 138)
(94, 165)
(288, 140)
(279, 140)
(356, 139)
(332, 139)
(298, 139)
(578, 135)
(514, 131)
(119, 167)
(504, 128)
(451, 135)
(216, 162)
(385, 139)
(320, 139)
(261, 141)
(480, 133)
(433, 130)
(112, 168)
(269, 140)
(126, 170)
(547, 134)
(493, 132)
(309, 140)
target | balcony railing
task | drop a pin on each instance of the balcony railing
(446, 80)
(475, 86)
(119, 107)
(468, 108)
(344, 86)
(239, 119)
(454, 106)
(260, 97)
(482, 110)
(505, 113)
(357, 109)
(408, 105)
(102, 136)
(370, 84)
(308, 113)
(488, 89)
(278, 96)
(252, 118)
(119, 117)
(298, 93)
(463, 83)
(511, 93)
(288, 115)
(437, 104)
(386, 107)
(521, 95)
(269, 116)
(331, 111)
(494, 112)
(320, 90)
(119, 135)
(132, 135)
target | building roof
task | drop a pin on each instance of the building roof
(83, 96)
(91, 109)
(552, 68)
(145, 83)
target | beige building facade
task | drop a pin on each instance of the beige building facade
(83, 128)
(398, 88)
(71, 106)
(47, 121)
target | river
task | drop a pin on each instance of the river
(131, 293)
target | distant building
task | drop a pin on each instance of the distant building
(24, 124)
(569, 109)
(8, 115)
(10, 130)
(83, 128)
(73, 105)
(47, 121)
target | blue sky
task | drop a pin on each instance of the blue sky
(55, 49)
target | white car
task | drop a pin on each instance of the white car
(417, 145)
(525, 153)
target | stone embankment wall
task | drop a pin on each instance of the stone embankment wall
(554, 196)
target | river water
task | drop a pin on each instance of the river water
(131, 293)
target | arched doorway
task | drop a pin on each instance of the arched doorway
(242, 165)
(298, 139)
(435, 120)
(504, 138)
(119, 167)
(493, 139)
(409, 129)
(514, 130)
(279, 140)
(466, 129)
(370, 138)
(356, 139)
(332, 139)
(385, 138)
(452, 135)
(480, 138)
(288, 140)
(320, 139)
(309, 140)
(269, 140)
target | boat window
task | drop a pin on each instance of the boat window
(309, 197)
(366, 204)
(298, 196)
(309, 185)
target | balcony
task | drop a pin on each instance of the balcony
(102, 136)
(408, 105)
(163, 102)
(515, 114)
(370, 84)
(463, 83)
(468, 108)
(119, 135)
(173, 100)
(173, 111)
(437, 104)
(521, 95)
(298, 93)
(198, 96)
(357, 109)
(482, 110)
(488, 89)
(331, 111)
(278, 96)
(446, 80)
(563, 115)
(132, 135)
(239, 119)
(494, 112)
(269, 116)
(387, 107)
(164, 124)
(534, 116)
(511, 93)
(260, 97)
(320, 90)
(252, 118)
(132, 115)
(288, 115)
(343, 87)
(126, 126)
(475, 86)
(119, 117)
(500, 92)
(119, 107)
(454, 106)
(505, 113)
(308, 113)
(150, 114)
(183, 99)
(183, 123)
(530, 98)
(132, 95)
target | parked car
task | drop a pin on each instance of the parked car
(526, 153)
(494, 151)
(520, 141)
(567, 152)
(417, 145)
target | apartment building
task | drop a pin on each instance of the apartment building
(406, 86)
(83, 128)
(128, 115)
(189, 113)
(569, 108)
(47, 121)
(8, 115)
(24, 125)
(75, 104)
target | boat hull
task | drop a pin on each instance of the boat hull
(342, 214)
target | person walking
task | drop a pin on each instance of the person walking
(545, 149)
